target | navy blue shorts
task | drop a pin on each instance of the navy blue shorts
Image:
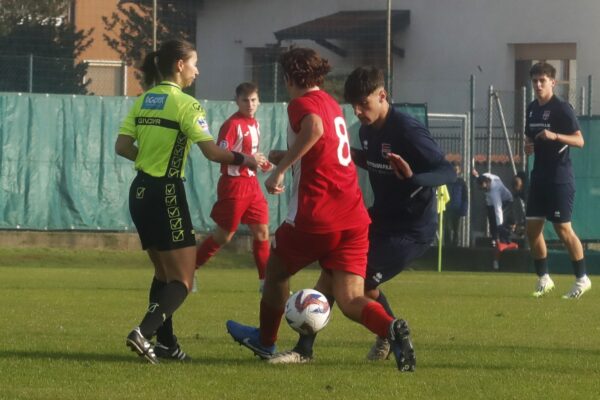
(551, 201)
(159, 210)
(389, 254)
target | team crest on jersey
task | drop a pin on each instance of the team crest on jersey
(386, 149)
(154, 101)
(546, 115)
(365, 144)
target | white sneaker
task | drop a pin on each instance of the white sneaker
(288, 357)
(544, 285)
(581, 286)
(380, 350)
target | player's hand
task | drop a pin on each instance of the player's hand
(529, 147)
(474, 172)
(274, 183)
(266, 166)
(276, 155)
(260, 159)
(545, 134)
(400, 166)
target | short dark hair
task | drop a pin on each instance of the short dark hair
(304, 67)
(245, 89)
(542, 68)
(362, 82)
(481, 179)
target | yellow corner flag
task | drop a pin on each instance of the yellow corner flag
(443, 197)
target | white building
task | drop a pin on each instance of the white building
(438, 44)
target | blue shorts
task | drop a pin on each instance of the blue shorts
(389, 254)
(550, 201)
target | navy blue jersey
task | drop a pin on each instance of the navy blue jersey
(552, 163)
(404, 206)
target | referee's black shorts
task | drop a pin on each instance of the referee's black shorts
(160, 212)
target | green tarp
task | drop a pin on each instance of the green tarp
(59, 170)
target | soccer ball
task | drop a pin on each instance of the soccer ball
(307, 311)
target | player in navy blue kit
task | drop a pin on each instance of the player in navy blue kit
(550, 130)
(405, 166)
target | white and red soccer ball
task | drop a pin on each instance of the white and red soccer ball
(307, 311)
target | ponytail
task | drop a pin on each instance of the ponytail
(150, 69)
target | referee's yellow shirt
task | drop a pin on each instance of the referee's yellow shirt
(165, 122)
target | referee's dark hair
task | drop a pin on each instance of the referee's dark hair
(362, 82)
(542, 68)
(159, 64)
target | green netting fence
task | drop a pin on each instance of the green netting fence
(59, 170)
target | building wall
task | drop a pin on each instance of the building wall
(446, 42)
(88, 14)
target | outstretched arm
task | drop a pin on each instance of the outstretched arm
(311, 130)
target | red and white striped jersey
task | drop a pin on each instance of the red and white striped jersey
(242, 134)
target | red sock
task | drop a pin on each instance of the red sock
(206, 250)
(375, 319)
(270, 318)
(261, 250)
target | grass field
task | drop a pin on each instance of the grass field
(65, 314)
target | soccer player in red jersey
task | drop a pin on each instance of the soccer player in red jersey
(239, 196)
(327, 220)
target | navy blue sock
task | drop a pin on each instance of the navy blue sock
(579, 268)
(541, 266)
(170, 298)
(164, 334)
(306, 342)
(383, 301)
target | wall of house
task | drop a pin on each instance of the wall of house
(446, 42)
(88, 14)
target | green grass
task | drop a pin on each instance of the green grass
(65, 314)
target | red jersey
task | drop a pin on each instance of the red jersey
(239, 133)
(325, 193)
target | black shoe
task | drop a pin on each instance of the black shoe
(139, 344)
(171, 353)
(402, 346)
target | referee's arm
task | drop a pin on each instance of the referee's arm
(125, 147)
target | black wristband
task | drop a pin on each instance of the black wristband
(238, 158)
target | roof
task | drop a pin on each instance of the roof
(357, 26)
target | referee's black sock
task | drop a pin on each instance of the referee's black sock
(306, 342)
(541, 266)
(164, 334)
(169, 299)
(386, 306)
(579, 268)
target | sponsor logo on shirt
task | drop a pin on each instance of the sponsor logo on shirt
(202, 122)
(153, 101)
(546, 115)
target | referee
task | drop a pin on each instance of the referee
(157, 134)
